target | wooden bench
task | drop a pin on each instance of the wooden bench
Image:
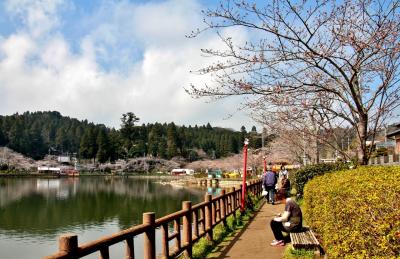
(304, 239)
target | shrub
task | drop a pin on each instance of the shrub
(3, 167)
(303, 175)
(356, 213)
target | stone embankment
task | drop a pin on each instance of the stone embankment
(193, 181)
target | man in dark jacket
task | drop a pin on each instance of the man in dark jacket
(269, 182)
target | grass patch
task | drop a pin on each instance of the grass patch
(291, 253)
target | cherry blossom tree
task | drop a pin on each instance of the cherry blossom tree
(337, 60)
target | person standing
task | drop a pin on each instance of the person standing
(264, 186)
(283, 172)
(285, 187)
(269, 183)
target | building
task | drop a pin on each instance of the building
(395, 134)
(48, 169)
(182, 171)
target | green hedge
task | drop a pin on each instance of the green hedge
(356, 213)
(303, 175)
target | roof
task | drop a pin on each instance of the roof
(393, 133)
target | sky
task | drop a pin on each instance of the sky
(98, 59)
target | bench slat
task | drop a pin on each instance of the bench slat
(304, 239)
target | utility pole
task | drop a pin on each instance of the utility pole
(262, 139)
(304, 149)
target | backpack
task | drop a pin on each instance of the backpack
(269, 179)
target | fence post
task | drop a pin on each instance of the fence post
(187, 227)
(149, 250)
(233, 202)
(68, 243)
(222, 207)
(208, 216)
(130, 249)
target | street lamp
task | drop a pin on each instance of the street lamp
(246, 142)
(265, 164)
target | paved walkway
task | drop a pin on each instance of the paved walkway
(254, 241)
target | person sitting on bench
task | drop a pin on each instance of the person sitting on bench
(289, 221)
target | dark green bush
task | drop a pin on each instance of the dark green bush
(303, 175)
(3, 167)
(356, 213)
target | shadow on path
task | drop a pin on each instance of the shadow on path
(253, 240)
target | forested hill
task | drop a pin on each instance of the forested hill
(36, 134)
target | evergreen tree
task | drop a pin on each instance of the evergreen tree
(61, 139)
(172, 138)
(243, 134)
(115, 149)
(103, 146)
(37, 144)
(16, 135)
(154, 139)
(162, 149)
(128, 130)
(88, 146)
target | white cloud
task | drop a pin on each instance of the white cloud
(38, 16)
(106, 77)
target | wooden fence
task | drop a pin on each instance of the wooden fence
(189, 225)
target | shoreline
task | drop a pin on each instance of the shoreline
(173, 180)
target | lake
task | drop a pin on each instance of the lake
(34, 212)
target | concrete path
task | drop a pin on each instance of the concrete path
(254, 241)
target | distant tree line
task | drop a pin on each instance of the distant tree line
(36, 134)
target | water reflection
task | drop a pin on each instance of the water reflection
(38, 210)
(214, 191)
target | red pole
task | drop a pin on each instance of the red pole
(244, 175)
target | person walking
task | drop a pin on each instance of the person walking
(269, 183)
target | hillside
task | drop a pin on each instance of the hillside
(37, 134)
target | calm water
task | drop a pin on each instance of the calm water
(34, 212)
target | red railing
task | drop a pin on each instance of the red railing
(189, 225)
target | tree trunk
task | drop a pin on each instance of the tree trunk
(317, 150)
(362, 126)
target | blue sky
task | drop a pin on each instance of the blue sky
(98, 59)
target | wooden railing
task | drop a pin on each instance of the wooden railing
(189, 225)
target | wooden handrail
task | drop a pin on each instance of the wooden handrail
(197, 221)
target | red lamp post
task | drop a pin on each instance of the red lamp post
(246, 142)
